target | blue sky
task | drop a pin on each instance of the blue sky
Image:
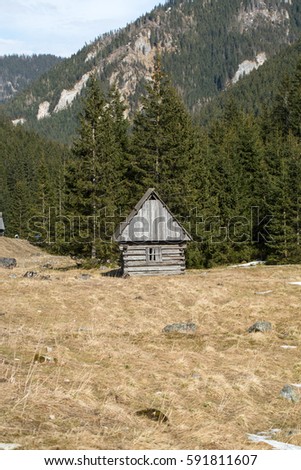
(62, 27)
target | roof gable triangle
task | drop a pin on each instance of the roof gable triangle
(151, 221)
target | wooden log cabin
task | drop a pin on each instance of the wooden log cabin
(151, 240)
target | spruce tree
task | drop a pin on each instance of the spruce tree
(164, 145)
(93, 175)
(121, 127)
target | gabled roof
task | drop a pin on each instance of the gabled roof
(165, 226)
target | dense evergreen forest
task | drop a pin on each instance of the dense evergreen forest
(31, 175)
(234, 184)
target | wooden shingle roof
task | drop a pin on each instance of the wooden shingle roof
(151, 221)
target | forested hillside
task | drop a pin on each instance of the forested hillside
(256, 91)
(17, 72)
(205, 47)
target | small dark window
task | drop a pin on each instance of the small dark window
(154, 254)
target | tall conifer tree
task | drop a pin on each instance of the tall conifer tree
(94, 173)
(163, 145)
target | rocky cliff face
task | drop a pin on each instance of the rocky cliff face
(256, 14)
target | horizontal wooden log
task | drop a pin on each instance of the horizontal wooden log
(153, 268)
(153, 273)
(173, 260)
(145, 256)
(162, 273)
(163, 252)
(130, 250)
(133, 258)
(143, 246)
(158, 264)
(134, 247)
(163, 249)
(171, 247)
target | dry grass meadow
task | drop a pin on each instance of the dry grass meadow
(107, 358)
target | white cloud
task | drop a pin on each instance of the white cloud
(62, 27)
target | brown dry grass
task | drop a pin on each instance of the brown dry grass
(215, 386)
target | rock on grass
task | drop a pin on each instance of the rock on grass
(262, 326)
(8, 263)
(289, 394)
(180, 328)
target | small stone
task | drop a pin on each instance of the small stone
(49, 349)
(289, 394)
(84, 329)
(261, 326)
(180, 328)
(42, 358)
(30, 274)
(47, 266)
(153, 414)
(85, 277)
(52, 417)
(8, 263)
(196, 376)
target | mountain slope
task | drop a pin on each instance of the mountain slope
(205, 45)
(17, 72)
(259, 89)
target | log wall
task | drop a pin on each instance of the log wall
(138, 260)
